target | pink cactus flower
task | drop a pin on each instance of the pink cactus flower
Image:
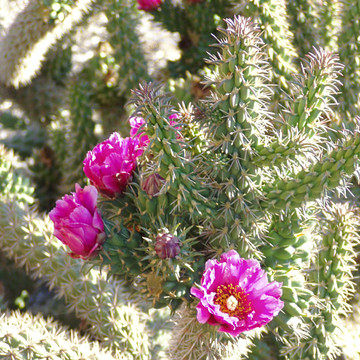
(148, 5)
(173, 122)
(173, 118)
(110, 165)
(78, 223)
(236, 295)
(137, 122)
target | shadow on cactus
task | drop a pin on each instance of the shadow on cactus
(260, 192)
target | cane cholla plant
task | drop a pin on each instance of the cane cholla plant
(107, 311)
(243, 230)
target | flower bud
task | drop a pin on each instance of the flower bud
(152, 184)
(110, 165)
(167, 246)
(78, 223)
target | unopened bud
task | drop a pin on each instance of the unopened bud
(153, 184)
(167, 246)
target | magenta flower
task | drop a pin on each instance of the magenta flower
(148, 5)
(78, 223)
(137, 122)
(110, 165)
(173, 122)
(236, 295)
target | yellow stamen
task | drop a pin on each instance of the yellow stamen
(233, 300)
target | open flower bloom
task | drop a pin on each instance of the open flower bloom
(110, 165)
(236, 295)
(78, 223)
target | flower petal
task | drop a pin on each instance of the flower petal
(202, 314)
(244, 280)
(110, 165)
(77, 222)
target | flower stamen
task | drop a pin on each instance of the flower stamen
(233, 301)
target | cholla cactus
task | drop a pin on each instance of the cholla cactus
(270, 14)
(28, 38)
(33, 337)
(256, 191)
(110, 315)
(232, 184)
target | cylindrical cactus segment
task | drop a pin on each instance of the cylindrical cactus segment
(190, 193)
(332, 276)
(241, 93)
(272, 17)
(23, 336)
(314, 92)
(12, 184)
(307, 185)
(302, 18)
(194, 341)
(349, 51)
(28, 239)
(27, 40)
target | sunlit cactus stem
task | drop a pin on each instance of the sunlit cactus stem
(26, 336)
(27, 238)
(272, 17)
(302, 19)
(30, 36)
(79, 126)
(332, 275)
(168, 151)
(330, 23)
(241, 124)
(314, 92)
(194, 341)
(350, 55)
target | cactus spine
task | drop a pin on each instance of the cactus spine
(272, 17)
(27, 40)
(111, 316)
(33, 337)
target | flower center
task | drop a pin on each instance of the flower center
(233, 301)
